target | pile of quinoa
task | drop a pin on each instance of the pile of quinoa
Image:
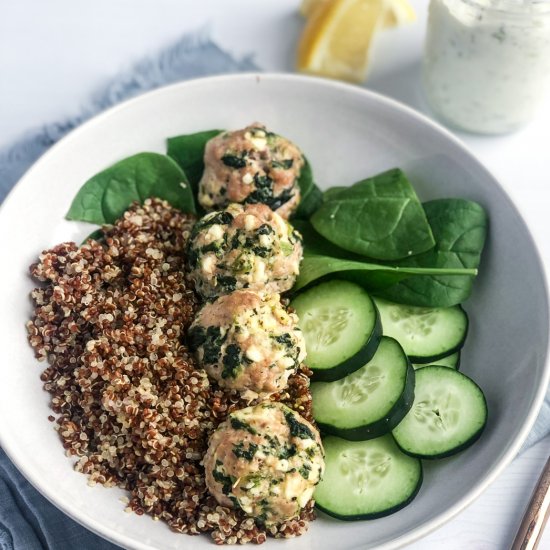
(132, 406)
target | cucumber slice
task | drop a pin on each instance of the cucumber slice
(366, 479)
(452, 361)
(341, 328)
(426, 334)
(448, 414)
(369, 402)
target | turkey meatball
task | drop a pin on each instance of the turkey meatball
(248, 342)
(243, 246)
(266, 460)
(252, 166)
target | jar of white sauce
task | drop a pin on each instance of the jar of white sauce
(487, 62)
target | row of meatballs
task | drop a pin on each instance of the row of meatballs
(265, 459)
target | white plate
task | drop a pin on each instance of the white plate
(347, 133)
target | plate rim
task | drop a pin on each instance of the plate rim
(507, 455)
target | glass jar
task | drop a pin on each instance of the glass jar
(487, 62)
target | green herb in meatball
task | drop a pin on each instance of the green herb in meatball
(248, 342)
(255, 461)
(244, 246)
(251, 166)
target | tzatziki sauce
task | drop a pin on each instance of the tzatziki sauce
(487, 62)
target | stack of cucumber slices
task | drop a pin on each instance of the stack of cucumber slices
(386, 393)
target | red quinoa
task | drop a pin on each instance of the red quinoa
(132, 406)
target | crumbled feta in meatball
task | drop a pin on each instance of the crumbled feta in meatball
(266, 460)
(251, 165)
(248, 342)
(243, 246)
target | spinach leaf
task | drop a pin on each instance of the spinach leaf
(105, 196)
(86, 206)
(141, 176)
(238, 424)
(285, 164)
(459, 227)
(297, 429)
(311, 195)
(373, 276)
(233, 161)
(309, 203)
(188, 152)
(316, 245)
(333, 192)
(380, 217)
(96, 235)
(248, 454)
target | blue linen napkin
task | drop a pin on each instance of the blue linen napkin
(27, 520)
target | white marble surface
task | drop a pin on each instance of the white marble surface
(54, 54)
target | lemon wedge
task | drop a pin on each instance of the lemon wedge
(307, 6)
(337, 37)
(398, 12)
